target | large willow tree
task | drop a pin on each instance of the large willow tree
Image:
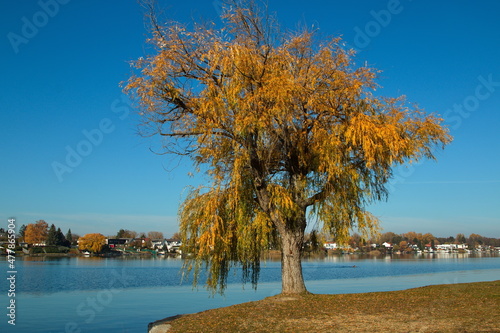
(288, 130)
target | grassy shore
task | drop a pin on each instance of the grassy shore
(468, 307)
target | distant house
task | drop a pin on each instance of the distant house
(157, 244)
(429, 248)
(330, 245)
(117, 242)
(387, 245)
(173, 245)
(414, 247)
(445, 247)
(139, 241)
(450, 247)
(484, 248)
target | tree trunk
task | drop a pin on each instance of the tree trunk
(292, 280)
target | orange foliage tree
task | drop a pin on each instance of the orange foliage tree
(92, 242)
(285, 125)
(36, 233)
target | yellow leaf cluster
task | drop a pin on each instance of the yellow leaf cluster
(92, 242)
(36, 233)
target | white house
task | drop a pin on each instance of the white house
(450, 247)
(330, 246)
(157, 243)
(171, 244)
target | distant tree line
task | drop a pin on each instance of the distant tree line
(315, 241)
(95, 242)
(40, 233)
(125, 233)
(422, 240)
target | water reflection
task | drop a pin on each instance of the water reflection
(419, 256)
(53, 289)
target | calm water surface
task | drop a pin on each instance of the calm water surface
(124, 295)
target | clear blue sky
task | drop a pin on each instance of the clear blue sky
(59, 92)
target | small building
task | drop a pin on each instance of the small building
(158, 244)
(330, 246)
(171, 245)
(117, 242)
(450, 247)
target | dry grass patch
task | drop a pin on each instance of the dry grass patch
(471, 307)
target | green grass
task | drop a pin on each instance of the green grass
(470, 307)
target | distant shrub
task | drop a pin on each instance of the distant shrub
(74, 251)
(335, 251)
(49, 249)
(35, 250)
(63, 249)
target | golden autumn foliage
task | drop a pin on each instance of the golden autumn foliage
(286, 126)
(36, 233)
(92, 242)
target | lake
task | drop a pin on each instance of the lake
(125, 294)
